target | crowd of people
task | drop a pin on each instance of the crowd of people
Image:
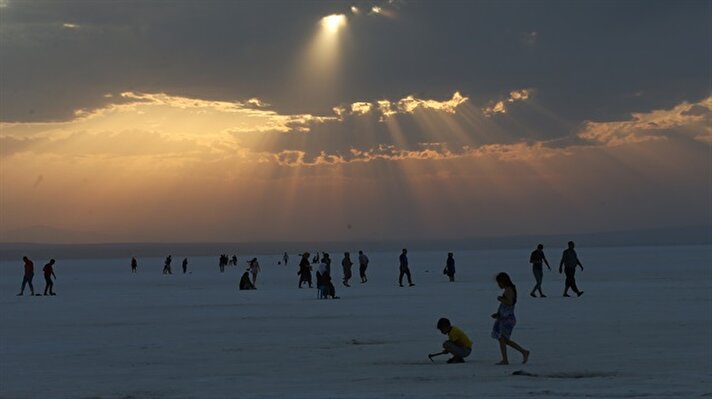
(458, 344)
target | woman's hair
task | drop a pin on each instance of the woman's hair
(504, 280)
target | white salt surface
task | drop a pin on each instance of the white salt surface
(642, 329)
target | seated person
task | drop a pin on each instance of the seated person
(245, 283)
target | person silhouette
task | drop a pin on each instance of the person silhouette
(537, 259)
(404, 270)
(134, 264)
(185, 265)
(450, 267)
(346, 265)
(362, 266)
(305, 270)
(569, 261)
(29, 275)
(505, 320)
(48, 274)
(167, 265)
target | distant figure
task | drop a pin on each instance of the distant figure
(457, 344)
(29, 274)
(404, 270)
(167, 265)
(362, 266)
(285, 258)
(323, 280)
(222, 263)
(326, 260)
(450, 267)
(134, 264)
(254, 269)
(505, 320)
(48, 274)
(185, 265)
(346, 265)
(569, 261)
(316, 257)
(245, 283)
(305, 270)
(537, 259)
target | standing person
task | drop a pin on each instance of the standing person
(48, 274)
(29, 275)
(569, 261)
(223, 261)
(185, 265)
(134, 264)
(305, 270)
(450, 267)
(505, 320)
(346, 264)
(457, 344)
(404, 270)
(323, 280)
(254, 269)
(285, 258)
(537, 259)
(326, 259)
(234, 260)
(362, 266)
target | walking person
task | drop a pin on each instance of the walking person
(134, 264)
(48, 274)
(305, 270)
(29, 275)
(505, 320)
(537, 259)
(185, 265)
(254, 269)
(569, 261)
(404, 270)
(285, 258)
(167, 265)
(346, 264)
(362, 266)
(450, 267)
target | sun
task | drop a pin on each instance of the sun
(333, 22)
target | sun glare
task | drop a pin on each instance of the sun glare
(333, 22)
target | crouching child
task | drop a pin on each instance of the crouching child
(457, 344)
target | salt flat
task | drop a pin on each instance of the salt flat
(642, 329)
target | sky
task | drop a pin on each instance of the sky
(147, 121)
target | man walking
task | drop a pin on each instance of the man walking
(29, 274)
(569, 261)
(48, 274)
(362, 266)
(537, 259)
(404, 270)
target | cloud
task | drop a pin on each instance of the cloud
(500, 107)
(406, 105)
(685, 119)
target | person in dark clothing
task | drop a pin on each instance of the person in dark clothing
(326, 260)
(167, 265)
(48, 274)
(569, 261)
(245, 283)
(537, 259)
(29, 275)
(285, 258)
(404, 270)
(450, 267)
(185, 265)
(362, 266)
(304, 272)
(134, 264)
(323, 280)
(346, 264)
(234, 260)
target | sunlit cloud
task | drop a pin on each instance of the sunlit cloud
(500, 107)
(67, 25)
(693, 120)
(332, 23)
(355, 10)
(361, 108)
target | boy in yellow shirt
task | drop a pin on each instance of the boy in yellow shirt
(457, 344)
